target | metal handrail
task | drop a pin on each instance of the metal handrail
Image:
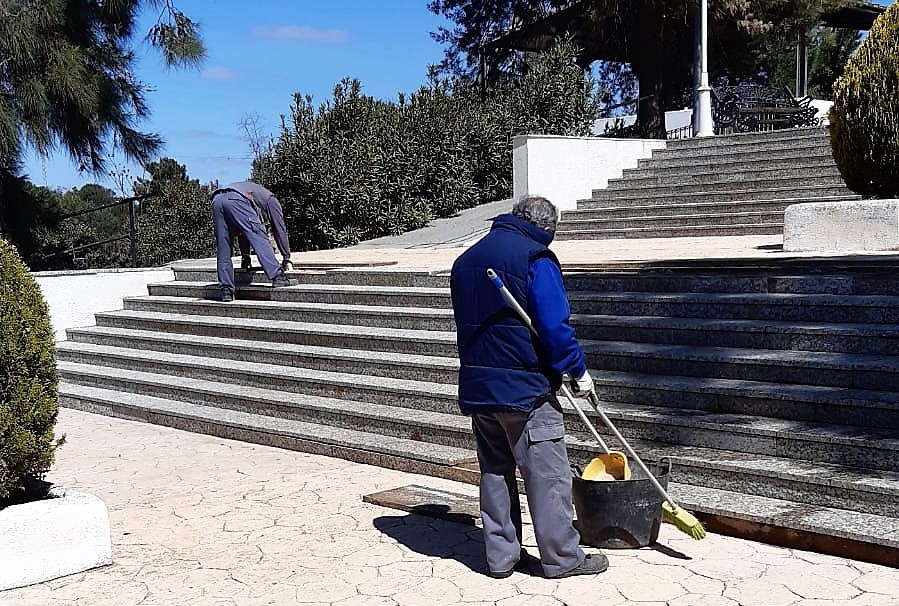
(132, 230)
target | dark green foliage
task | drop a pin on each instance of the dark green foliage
(359, 168)
(864, 119)
(28, 380)
(33, 220)
(177, 222)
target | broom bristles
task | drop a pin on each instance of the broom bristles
(683, 520)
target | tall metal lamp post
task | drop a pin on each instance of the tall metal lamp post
(703, 126)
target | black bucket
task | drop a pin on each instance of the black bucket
(621, 514)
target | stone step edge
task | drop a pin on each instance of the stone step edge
(700, 205)
(622, 413)
(430, 336)
(814, 361)
(710, 504)
(693, 217)
(316, 288)
(427, 452)
(811, 473)
(678, 231)
(701, 169)
(697, 353)
(395, 358)
(135, 302)
(809, 187)
(844, 329)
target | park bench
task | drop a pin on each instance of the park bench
(754, 108)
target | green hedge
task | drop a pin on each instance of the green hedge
(28, 380)
(864, 119)
(358, 168)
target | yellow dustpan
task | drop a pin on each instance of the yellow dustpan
(612, 465)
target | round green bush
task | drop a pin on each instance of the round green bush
(864, 119)
(29, 400)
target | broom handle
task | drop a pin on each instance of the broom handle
(497, 281)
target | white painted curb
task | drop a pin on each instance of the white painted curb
(51, 538)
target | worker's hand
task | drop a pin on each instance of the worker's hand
(582, 387)
(286, 265)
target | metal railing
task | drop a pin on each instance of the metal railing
(131, 235)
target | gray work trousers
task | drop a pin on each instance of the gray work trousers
(535, 442)
(233, 214)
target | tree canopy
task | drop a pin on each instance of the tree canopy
(650, 40)
(67, 76)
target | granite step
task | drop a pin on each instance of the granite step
(361, 446)
(749, 229)
(849, 338)
(815, 151)
(816, 386)
(114, 368)
(797, 137)
(602, 198)
(777, 306)
(426, 342)
(423, 457)
(676, 176)
(715, 183)
(356, 277)
(332, 294)
(406, 318)
(802, 402)
(438, 369)
(766, 474)
(673, 217)
(640, 211)
(789, 367)
(796, 277)
(844, 275)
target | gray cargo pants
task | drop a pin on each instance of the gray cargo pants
(232, 213)
(535, 443)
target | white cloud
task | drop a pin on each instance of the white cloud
(219, 73)
(300, 33)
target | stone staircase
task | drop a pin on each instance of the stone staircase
(726, 185)
(774, 390)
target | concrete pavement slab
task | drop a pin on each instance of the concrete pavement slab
(206, 521)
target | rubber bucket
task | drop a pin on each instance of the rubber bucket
(621, 514)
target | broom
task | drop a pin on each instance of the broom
(672, 513)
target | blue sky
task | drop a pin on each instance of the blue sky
(260, 52)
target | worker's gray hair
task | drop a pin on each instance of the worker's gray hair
(537, 210)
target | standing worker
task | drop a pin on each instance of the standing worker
(248, 210)
(507, 384)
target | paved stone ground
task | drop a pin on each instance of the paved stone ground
(205, 521)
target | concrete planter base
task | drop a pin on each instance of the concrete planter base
(862, 225)
(53, 537)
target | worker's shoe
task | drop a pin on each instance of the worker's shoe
(593, 563)
(526, 563)
(246, 263)
(280, 280)
(223, 294)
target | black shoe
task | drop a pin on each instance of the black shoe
(246, 263)
(280, 280)
(593, 563)
(526, 563)
(220, 294)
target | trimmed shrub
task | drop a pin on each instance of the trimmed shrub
(864, 119)
(29, 400)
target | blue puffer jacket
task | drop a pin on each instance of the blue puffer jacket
(503, 367)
